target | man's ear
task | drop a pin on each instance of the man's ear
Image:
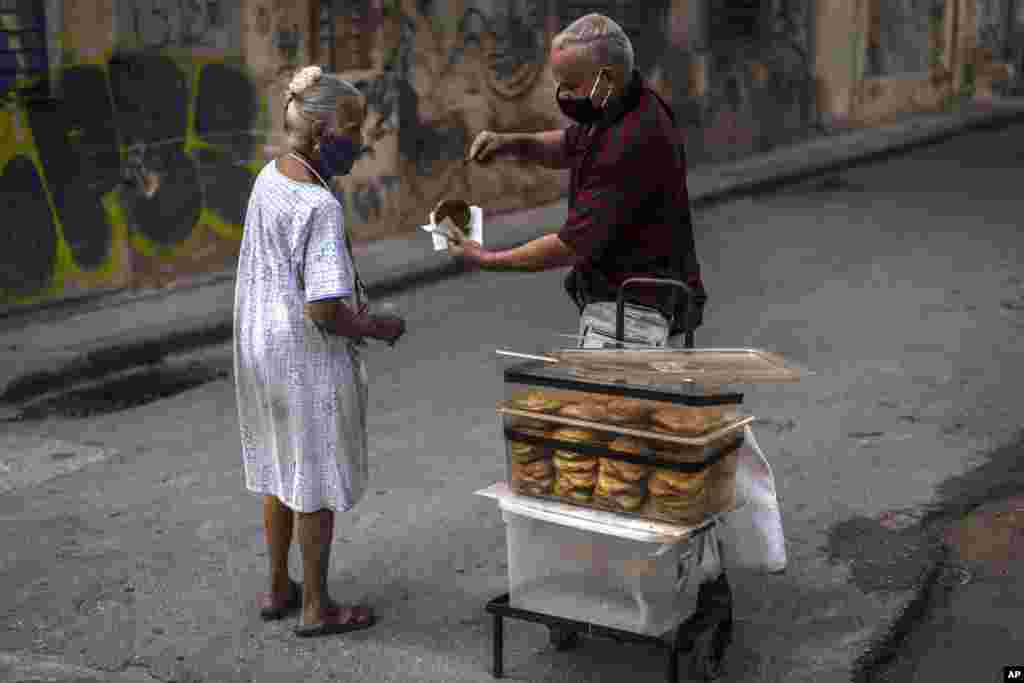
(318, 129)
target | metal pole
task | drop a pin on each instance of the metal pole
(499, 646)
(672, 674)
(54, 18)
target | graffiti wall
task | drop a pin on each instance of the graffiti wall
(991, 18)
(747, 94)
(167, 24)
(436, 73)
(137, 174)
(899, 36)
(865, 83)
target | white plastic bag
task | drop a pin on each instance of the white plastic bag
(752, 536)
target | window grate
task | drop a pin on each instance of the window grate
(24, 58)
(731, 21)
(347, 30)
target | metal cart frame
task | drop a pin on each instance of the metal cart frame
(705, 634)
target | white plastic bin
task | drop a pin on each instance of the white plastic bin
(588, 568)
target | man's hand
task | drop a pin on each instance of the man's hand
(469, 252)
(485, 147)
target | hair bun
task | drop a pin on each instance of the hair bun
(304, 80)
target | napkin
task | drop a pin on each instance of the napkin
(476, 229)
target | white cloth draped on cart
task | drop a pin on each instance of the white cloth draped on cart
(752, 536)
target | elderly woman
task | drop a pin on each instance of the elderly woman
(300, 318)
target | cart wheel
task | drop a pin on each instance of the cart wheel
(708, 653)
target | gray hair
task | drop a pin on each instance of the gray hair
(313, 95)
(599, 38)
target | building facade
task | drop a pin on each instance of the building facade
(131, 130)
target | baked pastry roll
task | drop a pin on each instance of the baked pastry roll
(689, 420)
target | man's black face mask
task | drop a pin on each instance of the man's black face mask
(582, 109)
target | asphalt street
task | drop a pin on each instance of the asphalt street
(900, 285)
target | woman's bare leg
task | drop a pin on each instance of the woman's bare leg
(278, 522)
(316, 530)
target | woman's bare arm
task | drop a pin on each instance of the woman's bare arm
(337, 317)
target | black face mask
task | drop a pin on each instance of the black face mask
(582, 109)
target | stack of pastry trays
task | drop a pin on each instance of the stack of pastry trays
(651, 459)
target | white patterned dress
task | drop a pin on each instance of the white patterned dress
(301, 392)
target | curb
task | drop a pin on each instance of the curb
(143, 350)
(749, 188)
(885, 649)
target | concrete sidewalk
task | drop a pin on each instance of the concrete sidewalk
(53, 347)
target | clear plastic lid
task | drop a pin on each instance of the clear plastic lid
(699, 371)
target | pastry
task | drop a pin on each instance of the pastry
(593, 412)
(626, 471)
(576, 435)
(537, 402)
(622, 469)
(534, 488)
(722, 483)
(583, 479)
(565, 489)
(681, 453)
(680, 496)
(624, 411)
(529, 426)
(576, 463)
(533, 471)
(527, 452)
(689, 420)
(620, 484)
(619, 495)
(534, 477)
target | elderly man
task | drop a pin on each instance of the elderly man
(629, 213)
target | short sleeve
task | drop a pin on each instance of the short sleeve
(327, 265)
(610, 199)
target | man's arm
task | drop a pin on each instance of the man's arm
(546, 148)
(544, 253)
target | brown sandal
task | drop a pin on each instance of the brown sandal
(274, 607)
(341, 619)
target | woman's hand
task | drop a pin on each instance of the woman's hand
(389, 328)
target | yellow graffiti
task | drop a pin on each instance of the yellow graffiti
(16, 139)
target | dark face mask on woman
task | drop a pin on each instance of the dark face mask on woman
(338, 155)
(582, 109)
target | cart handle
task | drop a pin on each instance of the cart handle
(620, 310)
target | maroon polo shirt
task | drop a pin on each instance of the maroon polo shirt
(629, 208)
